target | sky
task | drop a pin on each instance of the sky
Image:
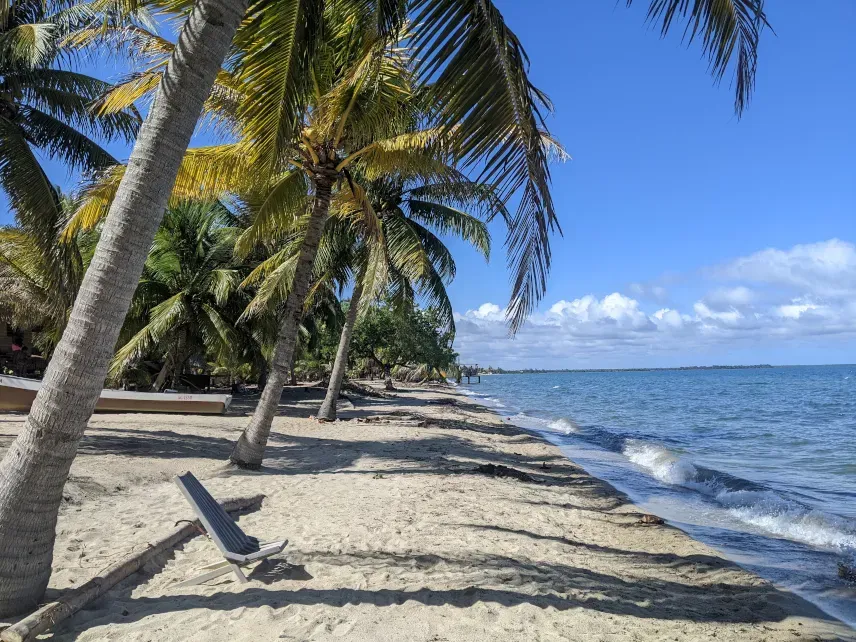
(690, 237)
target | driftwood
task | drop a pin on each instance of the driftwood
(73, 600)
(365, 390)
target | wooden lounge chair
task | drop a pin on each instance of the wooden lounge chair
(237, 548)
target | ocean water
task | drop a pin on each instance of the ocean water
(759, 463)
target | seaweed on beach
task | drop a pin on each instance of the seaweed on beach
(495, 470)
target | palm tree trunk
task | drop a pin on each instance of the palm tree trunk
(328, 408)
(157, 386)
(250, 447)
(35, 468)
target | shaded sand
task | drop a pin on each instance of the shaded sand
(395, 536)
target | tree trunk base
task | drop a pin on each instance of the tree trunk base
(245, 455)
(244, 465)
(327, 412)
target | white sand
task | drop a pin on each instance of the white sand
(393, 536)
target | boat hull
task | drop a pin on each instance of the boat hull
(17, 394)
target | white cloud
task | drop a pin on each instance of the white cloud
(668, 318)
(795, 310)
(730, 297)
(487, 311)
(704, 313)
(648, 291)
(613, 310)
(804, 293)
(828, 267)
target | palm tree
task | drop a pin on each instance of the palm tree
(45, 109)
(39, 275)
(484, 99)
(414, 260)
(483, 108)
(187, 303)
(35, 468)
(359, 106)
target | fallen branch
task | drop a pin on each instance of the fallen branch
(72, 601)
(365, 390)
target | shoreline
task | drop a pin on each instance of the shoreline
(660, 477)
(395, 534)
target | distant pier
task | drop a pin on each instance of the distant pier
(470, 371)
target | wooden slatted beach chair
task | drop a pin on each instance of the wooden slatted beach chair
(237, 548)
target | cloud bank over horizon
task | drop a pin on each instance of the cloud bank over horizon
(770, 298)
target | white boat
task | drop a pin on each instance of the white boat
(18, 393)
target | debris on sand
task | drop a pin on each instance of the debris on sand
(651, 520)
(504, 471)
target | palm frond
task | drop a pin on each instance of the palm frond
(163, 319)
(277, 273)
(481, 88)
(64, 142)
(27, 45)
(223, 283)
(375, 274)
(273, 214)
(277, 40)
(726, 28)
(70, 96)
(94, 201)
(125, 94)
(31, 195)
(208, 173)
(451, 221)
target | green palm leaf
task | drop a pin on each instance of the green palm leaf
(30, 193)
(727, 28)
(481, 89)
(62, 141)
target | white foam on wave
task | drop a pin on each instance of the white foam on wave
(763, 509)
(660, 462)
(563, 425)
(771, 513)
(554, 387)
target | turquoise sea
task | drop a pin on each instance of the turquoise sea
(759, 463)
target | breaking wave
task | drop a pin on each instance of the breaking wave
(563, 425)
(747, 501)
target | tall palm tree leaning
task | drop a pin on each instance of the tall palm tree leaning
(482, 87)
(418, 262)
(35, 468)
(292, 112)
(362, 116)
(490, 113)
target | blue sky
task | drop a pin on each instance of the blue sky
(670, 202)
(667, 187)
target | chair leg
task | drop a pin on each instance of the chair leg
(208, 576)
(239, 573)
(219, 564)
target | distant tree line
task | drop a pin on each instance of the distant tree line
(492, 370)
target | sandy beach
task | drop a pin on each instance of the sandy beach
(394, 534)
